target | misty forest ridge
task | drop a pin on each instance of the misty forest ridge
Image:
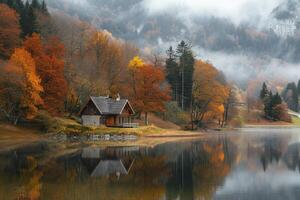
(149, 99)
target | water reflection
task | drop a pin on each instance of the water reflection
(233, 166)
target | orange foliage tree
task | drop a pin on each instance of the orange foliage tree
(20, 89)
(9, 31)
(49, 58)
(148, 91)
(209, 94)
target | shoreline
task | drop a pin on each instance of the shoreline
(270, 126)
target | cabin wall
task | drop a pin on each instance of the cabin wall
(91, 120)
(90, 109)
(110, 121)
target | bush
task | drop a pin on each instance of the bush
(237, 122)
(174, 114)
(280, 112)
(46, 122)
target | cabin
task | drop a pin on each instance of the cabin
(112, 167)
(109, 112)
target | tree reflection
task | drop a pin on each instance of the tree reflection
(200, 169)
(191, 170)
(272, 151)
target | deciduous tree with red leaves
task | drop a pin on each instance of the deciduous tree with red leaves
(49, 58)
(9, 31)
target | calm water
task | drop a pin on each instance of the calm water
(251, 164)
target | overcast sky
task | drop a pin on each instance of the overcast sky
(236, 10)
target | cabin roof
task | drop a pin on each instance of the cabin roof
(109, 106)
(107, 167)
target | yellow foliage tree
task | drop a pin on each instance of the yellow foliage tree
(136, 63)
(21, 88)
(133, 66)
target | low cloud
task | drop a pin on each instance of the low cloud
(241, 68)
(237, 11)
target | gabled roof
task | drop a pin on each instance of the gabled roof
(107, 167)
(109, 106)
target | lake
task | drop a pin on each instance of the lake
(247, 164)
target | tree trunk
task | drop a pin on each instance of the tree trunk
(182, 88)
(16, 121)
(192, 120)
(146, 118)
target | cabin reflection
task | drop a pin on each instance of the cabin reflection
(107, 162)
(111, 167)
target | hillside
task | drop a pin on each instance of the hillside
(254, 49)
(157, 121)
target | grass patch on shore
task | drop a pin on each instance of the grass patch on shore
(70, 126)
(296, 121)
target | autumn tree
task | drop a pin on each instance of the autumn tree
(98, 44)
(49, 58)
(209, 94)
(147, 87)
(10, 31)
(20, 89)
(230, 109)
(134, 67)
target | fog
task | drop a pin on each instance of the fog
(131, 20)
(241, 68)
(239, 11)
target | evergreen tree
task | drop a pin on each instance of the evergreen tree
(298, 87)
(264, 91)
(10, 3)
(186, 66)
(276, 100)
(291, 96)
(268, 104)
(44, 8)
(27, 12)
(271, 103)
(36, 4)
(172, 70)
(29, 22)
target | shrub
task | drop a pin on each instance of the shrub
(174, 114)
(280, 113)
(46, 122)
(237, 122)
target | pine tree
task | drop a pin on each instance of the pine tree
(36, 4)
(10, 3)
(264, 91)
(28, 21)
(298, 88)
(186, 66)
(290, 95)
(173, 73)
(276, 100)
(44, 8)
(268, 104)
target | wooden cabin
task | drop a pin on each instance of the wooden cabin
(107, 111)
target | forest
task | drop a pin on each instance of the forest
(54, 62)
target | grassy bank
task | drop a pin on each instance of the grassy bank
(73, 127)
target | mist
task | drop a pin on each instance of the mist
(232, 35)
(241, 11)
(240, 68)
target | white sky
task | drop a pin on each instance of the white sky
(236, 10)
